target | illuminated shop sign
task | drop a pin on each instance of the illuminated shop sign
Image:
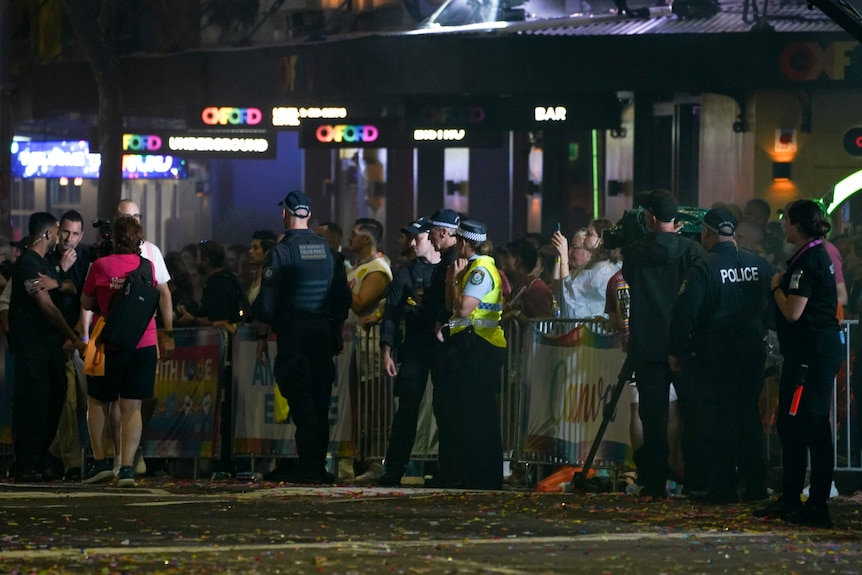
(221, 143)
(247, 145)
(596, 111)
(342, 133)
(448, 135)
(214, 116)
(72, 159)
(141, 143)
(550, 113)
(853, 141)
(809, 61)
(292, 116)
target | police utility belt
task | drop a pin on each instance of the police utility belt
(465, 322)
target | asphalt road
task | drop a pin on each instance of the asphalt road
(167, 526)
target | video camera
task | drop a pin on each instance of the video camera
(631, 226)
(104, 245)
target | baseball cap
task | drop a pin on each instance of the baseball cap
(297, 204)
(420, 226)
(660, 202)
(720, 221)
(445, 218)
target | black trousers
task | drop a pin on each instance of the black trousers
(473, 382)
(37, 401)
(305, 372)
(409, 388)
(653, 382)
(725, 385)
(808, 433)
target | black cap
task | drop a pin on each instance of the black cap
(420, 226)
(21, 244)
(660, 203)
(720, 221)
(472, 230)
(297, 204)
(445, 218)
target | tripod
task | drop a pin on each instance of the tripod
(626, 373)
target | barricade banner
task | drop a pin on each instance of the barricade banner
(185, 423)
(256, 431)
(568, 380)
(5, 393)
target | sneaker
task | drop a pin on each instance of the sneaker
(101, 471)
(126, 476)
(777, 509)
(810, 516)
(140, 465)
(116, 466)
(372, 475)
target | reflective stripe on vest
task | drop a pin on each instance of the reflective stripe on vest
(489, 310)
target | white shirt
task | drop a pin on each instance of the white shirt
(152, 252)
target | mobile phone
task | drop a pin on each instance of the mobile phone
(558, 226)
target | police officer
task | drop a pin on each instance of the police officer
(304, 298)
(808, 332)
(434, 315)
(404, 300)
(475, 350)
(717, 336)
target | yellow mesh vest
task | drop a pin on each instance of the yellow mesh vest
(491, 306)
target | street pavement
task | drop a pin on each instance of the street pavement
(165, 526)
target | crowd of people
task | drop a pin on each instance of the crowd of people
(693, 315)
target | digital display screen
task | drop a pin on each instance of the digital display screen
(72, 159)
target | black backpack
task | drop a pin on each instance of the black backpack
(132, 309)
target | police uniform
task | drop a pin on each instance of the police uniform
(404, 298)
(813, 340)
(475, 350)
(305, 298)
(718, 327)
(433, 312)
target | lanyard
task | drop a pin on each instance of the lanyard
(804, 249)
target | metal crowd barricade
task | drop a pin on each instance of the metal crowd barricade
(846, 418)
(564, 371)
(375, 404)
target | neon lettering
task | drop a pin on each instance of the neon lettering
(452, 135)
(550, 114)
(136, 143)
(293, 116)
(344, 133)
(234, 116)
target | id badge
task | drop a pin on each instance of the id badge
(795, 280)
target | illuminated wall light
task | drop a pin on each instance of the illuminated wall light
(64, 181)
(781, 171)
(78, 181)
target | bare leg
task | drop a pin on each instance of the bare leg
(130, 429)
(114, 428)
(636, 428)
(675, 460)
(97, 417)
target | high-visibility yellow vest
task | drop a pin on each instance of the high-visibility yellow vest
(485, 318)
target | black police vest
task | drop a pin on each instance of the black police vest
(311, 275)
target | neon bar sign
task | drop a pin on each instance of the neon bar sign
(349, 134)
(214, 116)
(292, 116)
(72, 159)
(550, 113)
(453, 135)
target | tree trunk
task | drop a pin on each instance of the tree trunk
(98, 46)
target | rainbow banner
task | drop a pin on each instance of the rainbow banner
(256, 431)
(567, 382)
(185, 423)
